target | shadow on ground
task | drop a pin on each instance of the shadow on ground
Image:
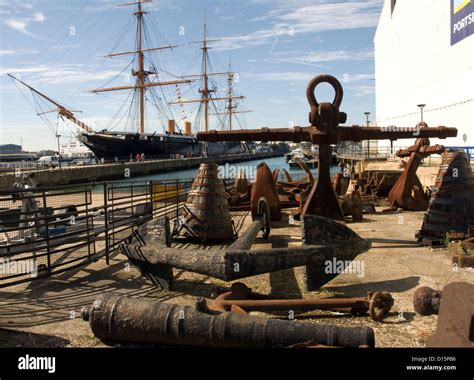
(10, 338)
(360, 290)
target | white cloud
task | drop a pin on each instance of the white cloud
(290, 22)
(38, 17)
(277, 76)
(18, 25)
(316, 57)
(61, 74)
(21, 24)
(299, 76)
(362, 90)
(7, 52)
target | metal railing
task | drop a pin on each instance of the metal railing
(48, 231)
(364, 153)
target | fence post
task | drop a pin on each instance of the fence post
(106, 225)
(151, 198)
(46, 229)
(86, 201)
(177, 197)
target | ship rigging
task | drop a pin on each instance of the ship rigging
(108, 145)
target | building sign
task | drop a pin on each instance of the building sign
(462, 20)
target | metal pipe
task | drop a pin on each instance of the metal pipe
(140, 320)
(245, 241)
(241, 299)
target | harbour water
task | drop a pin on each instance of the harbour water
(248, 166)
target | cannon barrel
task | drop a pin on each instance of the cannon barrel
(312, 134)
(140, 320)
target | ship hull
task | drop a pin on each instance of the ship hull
(109, 146)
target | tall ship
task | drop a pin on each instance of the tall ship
(175, 139)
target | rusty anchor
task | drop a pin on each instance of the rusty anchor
(242, 300)
(407, 193)
(265, 187)
(325, 129)
(322, 199)
(149, 248)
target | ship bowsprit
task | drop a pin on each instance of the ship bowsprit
(206, 214)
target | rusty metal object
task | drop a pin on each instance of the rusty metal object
(408, 192)
(352, 205)
(288, 176)
(305, 168)
(241, 184)
(340, 183)
(144, 320)
(324, 130)
(275, 175)
(322, 199)
(342, 133)
(451, 209)
(323, 241)
(241, 299)
(463, 260)
(265, 187)
(426, 301)
(455, 326)
(261, 222)
(468, 245)
(313, 344)
(378, 182)
(206, 214)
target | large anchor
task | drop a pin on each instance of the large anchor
(322, 199)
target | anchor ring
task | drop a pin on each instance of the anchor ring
(324, 78)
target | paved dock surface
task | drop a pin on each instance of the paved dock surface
(46, 313)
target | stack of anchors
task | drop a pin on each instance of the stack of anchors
(451, 208)
(206, 213)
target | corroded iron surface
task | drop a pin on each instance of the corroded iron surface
(141, 320)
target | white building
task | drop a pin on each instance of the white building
(75, 149)
(424, 54)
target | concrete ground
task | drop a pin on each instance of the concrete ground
(46, 313)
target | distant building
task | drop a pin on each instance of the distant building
(74, 149)
(10, 149)
(424, 54)
(263, 148)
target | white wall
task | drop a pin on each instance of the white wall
(415, 63)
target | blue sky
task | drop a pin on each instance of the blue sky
(275, 47)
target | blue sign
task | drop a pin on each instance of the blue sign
(462, 20)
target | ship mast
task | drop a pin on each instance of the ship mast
(206, 92)
(231, 106)
(141, 71)
(141, 74)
